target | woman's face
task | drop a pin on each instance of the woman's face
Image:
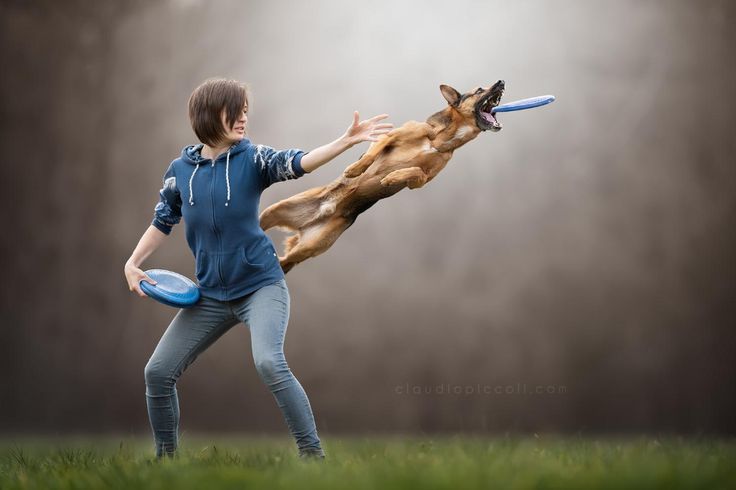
(237, 131)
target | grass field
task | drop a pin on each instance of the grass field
(380, 462)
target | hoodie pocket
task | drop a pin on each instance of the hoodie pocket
(254, 257)
(206, 270)
(236, 267)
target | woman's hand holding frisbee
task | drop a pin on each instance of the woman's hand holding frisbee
(134, 276)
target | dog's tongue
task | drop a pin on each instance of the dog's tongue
(489, 117)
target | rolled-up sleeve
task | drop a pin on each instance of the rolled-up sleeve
(167, 212)
(278, 165)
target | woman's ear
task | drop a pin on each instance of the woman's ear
(451, 95)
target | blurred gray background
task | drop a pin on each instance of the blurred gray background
(586, 251)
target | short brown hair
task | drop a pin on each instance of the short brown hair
(207, 102)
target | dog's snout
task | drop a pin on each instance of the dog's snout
(500, 84)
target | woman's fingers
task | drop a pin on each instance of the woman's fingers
(378, 117)
(134, 276)
(373, 120)
(136, 288)
(369, 129)
(140, 291)
(144, 277)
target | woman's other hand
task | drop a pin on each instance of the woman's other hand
(134, 276)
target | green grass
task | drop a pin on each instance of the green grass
(215, 463)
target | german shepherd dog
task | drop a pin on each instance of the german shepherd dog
(408, 156)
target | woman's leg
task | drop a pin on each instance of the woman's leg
(191, 331)
(266, 312)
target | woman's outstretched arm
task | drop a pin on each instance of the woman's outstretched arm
(149, 242)
(367, 130)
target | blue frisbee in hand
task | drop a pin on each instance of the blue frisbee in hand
(171, 289)
(520, 105)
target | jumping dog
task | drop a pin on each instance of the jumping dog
(408, 156)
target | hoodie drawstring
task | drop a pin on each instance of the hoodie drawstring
(191, 196)
(227, 180)
(227, 177)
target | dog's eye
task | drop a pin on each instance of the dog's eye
(479, 91)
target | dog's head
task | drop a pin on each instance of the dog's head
(476, 105)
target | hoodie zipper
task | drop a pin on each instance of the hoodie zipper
(214, 227)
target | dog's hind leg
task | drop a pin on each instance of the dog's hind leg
(313, 241)
(413, 177)
(290, 242)
(294, 212)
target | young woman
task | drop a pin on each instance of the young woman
(216, 187)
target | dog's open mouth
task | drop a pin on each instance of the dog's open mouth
(484, 108)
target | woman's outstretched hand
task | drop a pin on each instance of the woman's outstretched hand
(367, 130)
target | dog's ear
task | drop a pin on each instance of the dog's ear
(451, 95)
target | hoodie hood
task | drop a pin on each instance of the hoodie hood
(192, 154)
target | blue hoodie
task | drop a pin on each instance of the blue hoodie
(219, 202)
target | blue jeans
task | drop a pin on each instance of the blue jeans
(266, 312)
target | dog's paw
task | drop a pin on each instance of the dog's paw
(351, 172)
(387, 181)
(416, 182)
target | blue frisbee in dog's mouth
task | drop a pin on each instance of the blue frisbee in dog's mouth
(520, 105)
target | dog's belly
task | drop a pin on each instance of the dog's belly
(358, 207)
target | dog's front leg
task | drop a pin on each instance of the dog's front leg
(367, 159)
(413, 177)
(361, 165)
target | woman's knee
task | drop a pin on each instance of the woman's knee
(272, 368)
(158, 375)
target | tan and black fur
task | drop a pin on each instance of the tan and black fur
(408, 156)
